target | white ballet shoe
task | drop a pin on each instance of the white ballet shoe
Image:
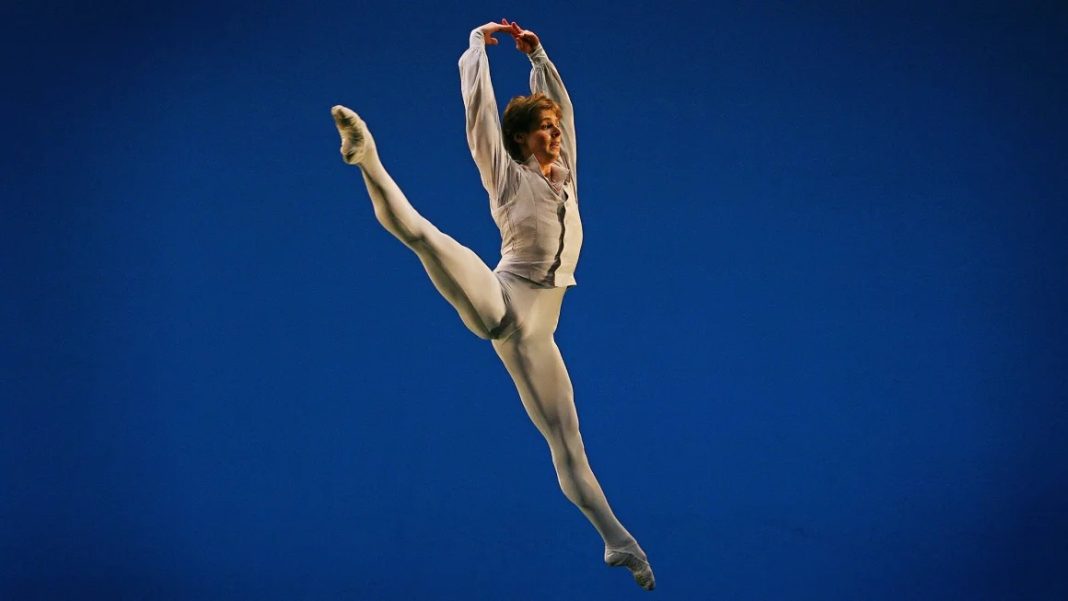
(634, 559)
(356, 140)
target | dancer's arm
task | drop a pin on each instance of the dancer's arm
(546, 79)
(483, 123)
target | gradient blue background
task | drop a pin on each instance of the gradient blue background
(818, 342)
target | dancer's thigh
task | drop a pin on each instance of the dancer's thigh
(463, 279)
(540, 376)
(533, 359)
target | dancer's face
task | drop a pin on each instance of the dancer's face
(544, 140)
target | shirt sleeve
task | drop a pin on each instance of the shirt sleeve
(546, 79)
(483, 122)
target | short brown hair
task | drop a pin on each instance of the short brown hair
(521, 115)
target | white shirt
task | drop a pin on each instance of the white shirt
(541, 233)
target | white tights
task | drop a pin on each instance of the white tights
(519, 318)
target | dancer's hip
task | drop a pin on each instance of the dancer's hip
(533, 309)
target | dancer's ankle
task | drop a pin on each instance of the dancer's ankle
(620, 541)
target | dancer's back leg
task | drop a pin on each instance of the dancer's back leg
(534, 361)
(456, 271)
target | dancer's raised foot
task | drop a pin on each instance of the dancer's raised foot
(634, 559)
(356, 141)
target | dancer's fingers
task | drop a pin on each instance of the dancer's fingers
(492, 27)
(512, 29)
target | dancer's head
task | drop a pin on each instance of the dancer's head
(531, 125)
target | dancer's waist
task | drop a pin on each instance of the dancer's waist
(541, 273)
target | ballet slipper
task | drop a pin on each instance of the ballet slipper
(634, 559)
(356, 141)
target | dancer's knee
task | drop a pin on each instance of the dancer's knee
(568, 451)
(573, 472)
(411, 231)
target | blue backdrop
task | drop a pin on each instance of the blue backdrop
(818, 342)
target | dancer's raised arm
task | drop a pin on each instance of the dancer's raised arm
(545, 78)
(483, 122)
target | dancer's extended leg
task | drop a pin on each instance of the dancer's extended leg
(538, 369)
(457, 272)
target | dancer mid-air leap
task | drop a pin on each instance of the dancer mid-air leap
(527, 166)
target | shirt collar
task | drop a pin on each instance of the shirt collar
(558, 174)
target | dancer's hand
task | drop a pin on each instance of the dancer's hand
(491, 28)
(526, 41)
